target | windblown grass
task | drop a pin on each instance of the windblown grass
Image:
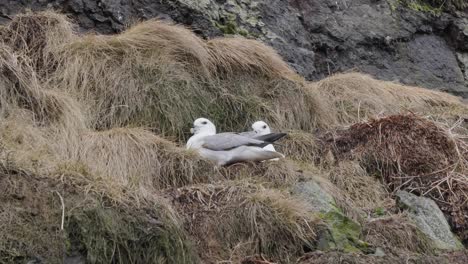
(414, 154)
(364, 190)
(19, 88)
(396, 234)
(232, 220)
(163, 77)
(357, 97)
(239, 55)
(91, 117)
(96, 227)
(138, 158)
(36, 36)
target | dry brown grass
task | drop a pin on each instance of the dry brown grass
(414, 154)
(19, 88)
(300, 146)
(365, 191)
(274, 174)
(36, 36)
(319, 257)
(239, 55)
(150, 76)
(232, 220)
(137, 158)
(357, 97)
(161, 77)
(396, 234)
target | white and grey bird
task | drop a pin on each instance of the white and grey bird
(228, 148)
(260, 128)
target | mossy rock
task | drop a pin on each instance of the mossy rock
(341, 233)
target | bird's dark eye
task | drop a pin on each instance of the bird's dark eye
(264, 127)
(204, 123)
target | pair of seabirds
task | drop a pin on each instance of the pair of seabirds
(230, 147)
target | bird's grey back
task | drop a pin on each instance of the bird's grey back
(249, 134)
(226, 141)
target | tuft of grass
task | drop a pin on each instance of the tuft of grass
(414, 154)
(20, 89)
(232, 220)
(364, 190)
(96, 227)
(163, 77)
(396, 234)
(36, 36)
(241, 55)
(301, 146)
(273, 174)
(137, 158)
(357, 97)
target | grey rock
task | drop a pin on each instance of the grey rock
(340, 232)
(427, 216)
(463, 62)
(315, 195)
(379, 252)
(459, 34)
(76, 259)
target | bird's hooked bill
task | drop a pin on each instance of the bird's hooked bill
(192, 130)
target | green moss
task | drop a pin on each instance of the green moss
(342, 233)
(231, 28)
(424, 7)
(421, 6)
(379, 211)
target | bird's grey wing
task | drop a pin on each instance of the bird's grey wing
(249, 134)
(227, 141)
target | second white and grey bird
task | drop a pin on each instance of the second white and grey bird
(260, 128)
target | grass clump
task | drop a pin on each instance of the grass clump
(364, 190)
(411, 153)
(96, 227)
(300, 146)
(20, 89)
(163, 77)
(396, 234)
(137, 158)
(36, 36)
(238, 219)
(274, 174)
(126, 236)
(357, 97)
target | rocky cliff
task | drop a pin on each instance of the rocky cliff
(411, 42)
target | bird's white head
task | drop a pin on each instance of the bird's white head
(203, 126)
(261, 128)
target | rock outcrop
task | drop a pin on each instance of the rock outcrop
(412, 45)
(340, 232)
(427, 216)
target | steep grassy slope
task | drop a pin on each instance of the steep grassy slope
(100, 122)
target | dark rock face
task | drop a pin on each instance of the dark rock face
(316, 37)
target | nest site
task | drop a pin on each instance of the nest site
(100, 121)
